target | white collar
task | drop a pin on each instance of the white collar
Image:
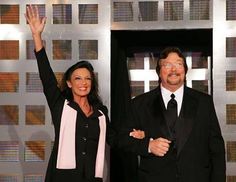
(178, 96)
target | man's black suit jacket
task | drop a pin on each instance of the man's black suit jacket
(199, 155)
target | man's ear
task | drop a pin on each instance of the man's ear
(68, 84)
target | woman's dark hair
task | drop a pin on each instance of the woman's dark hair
(164, 54)
(93, 97)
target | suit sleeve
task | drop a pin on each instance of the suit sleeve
(46, 74)
(128, 143)
(217, 148)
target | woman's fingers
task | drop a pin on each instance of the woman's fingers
(29, 11)
(138, 134)
(36, 11)
(32, 12)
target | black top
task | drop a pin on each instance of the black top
(87, 130)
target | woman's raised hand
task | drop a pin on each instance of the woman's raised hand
(36, 23)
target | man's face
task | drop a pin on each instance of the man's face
(172, 73)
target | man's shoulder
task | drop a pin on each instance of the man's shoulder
(147, 95)
(196, 93)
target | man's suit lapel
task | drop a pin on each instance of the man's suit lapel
(185, 120)
(158, 105)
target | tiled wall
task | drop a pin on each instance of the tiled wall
(218, 15)
(224, 76)
(78, 30)
(75, 30)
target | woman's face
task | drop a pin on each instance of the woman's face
(80, 82)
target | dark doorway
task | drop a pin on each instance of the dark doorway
(186, 40)
(125, 44)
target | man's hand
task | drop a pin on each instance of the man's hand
(159, 146)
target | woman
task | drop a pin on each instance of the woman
(80, 119)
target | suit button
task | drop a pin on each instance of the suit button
(84, 138)
(83, 153)
(86, 125)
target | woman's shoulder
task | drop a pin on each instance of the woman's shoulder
(103, 108)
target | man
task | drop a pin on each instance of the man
(188, 148)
